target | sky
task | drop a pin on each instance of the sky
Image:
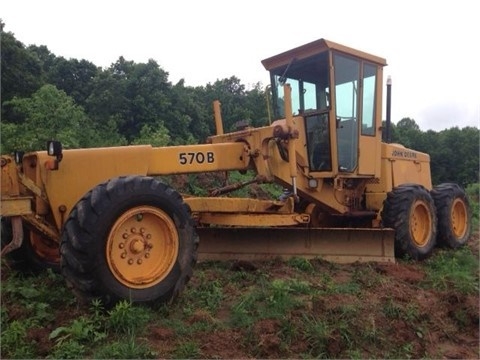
(431, 47)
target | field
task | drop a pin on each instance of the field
(277, 309)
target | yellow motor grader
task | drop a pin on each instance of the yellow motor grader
(117, 231)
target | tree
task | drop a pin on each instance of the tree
(49, 114)
(157, 136)
(73, 76)
(21, 71)
(407, 133)
(131, 94)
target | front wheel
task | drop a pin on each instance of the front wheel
(129, 238)
(410, 211)
(454, 215)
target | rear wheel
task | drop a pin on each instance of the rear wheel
(409, 209)
(454, 216)
(129, 238)
(36, 253)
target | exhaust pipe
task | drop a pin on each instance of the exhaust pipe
(388, 137)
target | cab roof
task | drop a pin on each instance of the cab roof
(316, 47)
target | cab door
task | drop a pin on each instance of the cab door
(358, 145)
(370, 133)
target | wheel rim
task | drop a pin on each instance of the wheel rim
(142, 247)
(46, 250)
(421, 224)
(459, 218)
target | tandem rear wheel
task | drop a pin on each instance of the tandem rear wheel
(422, 219)
(129, 238)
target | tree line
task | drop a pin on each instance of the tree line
(45, 96)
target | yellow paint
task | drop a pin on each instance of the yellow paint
(142, 247)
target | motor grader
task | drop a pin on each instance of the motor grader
(117, 231)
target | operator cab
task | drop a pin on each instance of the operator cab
(337, 91)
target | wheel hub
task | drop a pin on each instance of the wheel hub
(142, 247)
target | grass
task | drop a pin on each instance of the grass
(293, 309)
(453, 270)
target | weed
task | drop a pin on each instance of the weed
(243, 311)
(178, 326)
(70, 349)
(316, 332)
(187, 350)
(125, 349)
(125, 318)
(370, 330)
(391, 310)
(350, 287)
(81, 330)
(453, 270)
(406, 351)
(26, 289)
(355, 354)
(14, 341)
(40, 312)
(271, 300)
(209, 294)
(411, 312)
(278, 300)
(366, 276)
(288, 330)
(301, 264)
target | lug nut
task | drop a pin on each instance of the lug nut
(139, 261)
(130, 261)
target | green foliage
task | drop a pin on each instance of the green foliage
(49, 114)
(125, 349)
(301, 264)
(21, 70)
(157, 136)
(69, 349)
(81, 330)
(14, 341)
(125, 318)
(35, 294)
(208, 295)
(272, 300)
(316, 332)
(473, 193)
(187, 350)
(454, 270)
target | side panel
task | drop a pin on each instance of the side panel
(82, 169)
(399, 166)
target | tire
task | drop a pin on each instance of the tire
(454, 215)
(130, 238)
(36, 254)
(410, 211)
